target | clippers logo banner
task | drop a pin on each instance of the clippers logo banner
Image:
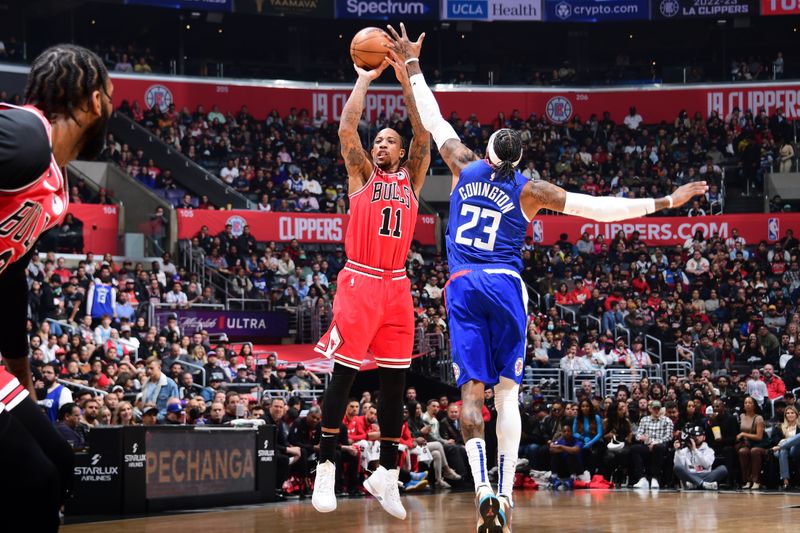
(666, 231)
(654, 103)
(780, 7)
(487, 10)
(676, 9)
(388, 9)
(595, 10)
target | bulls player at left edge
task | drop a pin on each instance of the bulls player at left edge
(64, 117)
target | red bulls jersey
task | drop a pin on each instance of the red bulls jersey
(11, 392)
(29, 211)
(382, 218)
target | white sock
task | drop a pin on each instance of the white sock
(476, 452)
(509, 431)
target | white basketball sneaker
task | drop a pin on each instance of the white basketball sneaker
(382, 484)
(324, 496)
(488, 507)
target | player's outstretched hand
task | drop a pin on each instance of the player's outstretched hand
(686, 192)
(399, 67)
(401, 45)
(373, 74)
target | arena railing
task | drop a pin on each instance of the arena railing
(566, 310)
(151, 309)
(70, 384)
(614, 377)
(648, 341)
(62, 325)
(625, 331)
(591, 318)
(675, 368)
(197, 367)
(549, 380)
(575, 382)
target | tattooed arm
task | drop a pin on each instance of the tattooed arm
(541, 194)
(455, 154)
(356, 159)
(419, 151)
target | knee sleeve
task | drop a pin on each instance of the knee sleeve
(390, 408)
(509, 431)
(335, 402)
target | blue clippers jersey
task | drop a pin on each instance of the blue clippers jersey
(487, 225)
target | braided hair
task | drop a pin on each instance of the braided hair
(63, 77)
(507, 145)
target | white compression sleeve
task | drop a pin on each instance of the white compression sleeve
(509, 432)
(607, 208)
(429, 112)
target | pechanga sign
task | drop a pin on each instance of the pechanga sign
(675, 9)
(388, 9)
(235, 324)
(190, 464)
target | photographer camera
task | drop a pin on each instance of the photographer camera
(694, 461)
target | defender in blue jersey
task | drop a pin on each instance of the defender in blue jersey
(491, 206)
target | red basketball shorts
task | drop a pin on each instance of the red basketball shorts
(372, 313)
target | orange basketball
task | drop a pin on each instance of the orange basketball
(368, 48)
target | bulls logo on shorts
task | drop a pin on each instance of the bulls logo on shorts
(456, 371)
(518, 366)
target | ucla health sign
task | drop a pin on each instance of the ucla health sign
(595, 10)
(487, 10)
(388, 9)
(683, 9)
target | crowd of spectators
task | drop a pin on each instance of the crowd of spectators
(758, 68)
(292, 163)
(725, 307)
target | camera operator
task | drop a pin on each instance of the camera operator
(694, 461)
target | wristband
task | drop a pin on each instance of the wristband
(670, 201)
(411, 60)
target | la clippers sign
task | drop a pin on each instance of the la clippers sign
(559, 105)
(666, 231)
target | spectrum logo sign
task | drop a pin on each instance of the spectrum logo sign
(388, 9)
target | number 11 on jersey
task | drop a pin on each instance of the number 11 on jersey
(386, 215)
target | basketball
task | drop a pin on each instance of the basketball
(368, 48)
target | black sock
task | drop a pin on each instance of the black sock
(389, 452)
(327, 447)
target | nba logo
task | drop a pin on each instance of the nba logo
(538, 231)
(773, 229)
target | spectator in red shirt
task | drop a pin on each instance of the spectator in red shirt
(776, 388)
(563, 296)
(580, 294)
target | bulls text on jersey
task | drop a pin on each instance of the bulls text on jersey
(391, 192)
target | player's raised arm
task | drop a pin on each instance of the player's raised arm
(453, 151)
(356, 159)
(419, 151)
(540, 194)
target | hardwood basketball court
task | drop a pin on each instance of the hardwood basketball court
(536, 511)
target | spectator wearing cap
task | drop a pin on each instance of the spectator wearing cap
(652, 435)
(242, 375)
(158, 389)
(128, 341)
(303, 379)
(694, 461)
(175, 414)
